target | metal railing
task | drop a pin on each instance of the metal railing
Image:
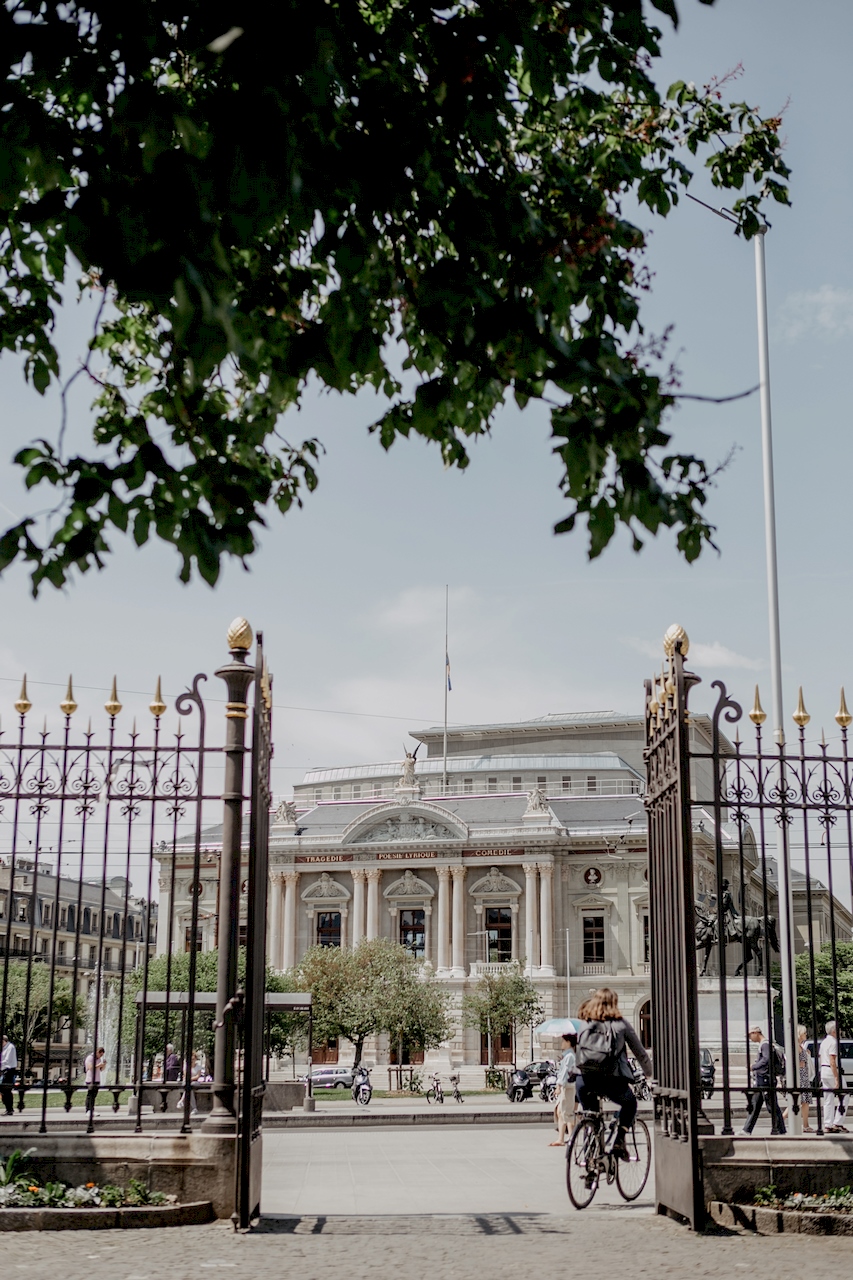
(433, 788)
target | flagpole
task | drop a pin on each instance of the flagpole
(446, 652)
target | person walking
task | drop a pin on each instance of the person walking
(172, 1065)
(8, 1071)
(763, 1070)
(830, 1079)
(804, 1065)
(95, 1063)
(565, 1109)
(602, 1061)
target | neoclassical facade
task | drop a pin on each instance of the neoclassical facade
(530, 850)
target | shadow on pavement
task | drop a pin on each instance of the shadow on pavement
(468, 1224)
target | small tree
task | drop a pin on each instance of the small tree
(23, 1030)
(377, 987)
(823, 1008)
(502, 1002)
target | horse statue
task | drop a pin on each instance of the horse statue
(750, 931)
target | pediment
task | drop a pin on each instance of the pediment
(420, 823)
(325, 890)
(495, 883)
(409, 886)
(592, 900)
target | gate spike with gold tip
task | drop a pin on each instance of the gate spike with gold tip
(801, 717)
(23, 703)
(757, 715)
(842, 715)
(158, 706)
(113, 707)
(68, 706)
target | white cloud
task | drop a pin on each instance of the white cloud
(826, 312)
(715, 655)
(419, 607)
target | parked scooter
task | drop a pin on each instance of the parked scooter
(362, 1089)
(520, 1086)
(548, 1087)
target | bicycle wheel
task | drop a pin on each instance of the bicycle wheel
(631, 1174)
(582, 1164)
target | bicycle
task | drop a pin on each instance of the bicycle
(457, 1095)
(435, 1093)
(590, 1157)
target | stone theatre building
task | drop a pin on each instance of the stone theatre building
(533, 853)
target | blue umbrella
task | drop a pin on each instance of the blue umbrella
(559, 1027)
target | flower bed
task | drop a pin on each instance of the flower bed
(20, 1190)
(838, 1200)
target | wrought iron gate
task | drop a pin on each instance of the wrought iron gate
(678, 1185)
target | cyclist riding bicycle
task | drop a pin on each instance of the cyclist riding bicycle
(602, 1061)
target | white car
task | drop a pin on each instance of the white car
(330, 1078)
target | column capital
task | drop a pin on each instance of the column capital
(290, 877)
(458, 873)
(529, 868)
(443, 872)
(373, 874)
(545, 868)
(357, 873)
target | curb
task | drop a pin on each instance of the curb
(152, 1215)
(772, 1222)
(379, 1119)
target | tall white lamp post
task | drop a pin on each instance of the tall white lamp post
(783, 857)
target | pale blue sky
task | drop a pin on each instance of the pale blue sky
(350, 591)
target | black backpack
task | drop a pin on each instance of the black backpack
(779, 1062)
(599, 1047)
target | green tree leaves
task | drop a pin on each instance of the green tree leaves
(273, 212)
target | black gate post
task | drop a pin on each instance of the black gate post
(678, 1177)
(237, 675)
(250, 1149)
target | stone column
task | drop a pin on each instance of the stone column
(531, 960)
(458, 874)
(546, 917)
(514, 908)
(164, 910)
(291, 881)
(357, 931)
(373, 877)
(443, 919)
(344, 922)
(428, 955)
(274, 924)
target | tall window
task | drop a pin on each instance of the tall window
(188, 938)
(60, 951)
(499, 934)
(593, 939)
(413, 932)
(318, 794)
(516, 784)
(567, 784)
(356, 791)
(336, 793)
(646, 948)
(468, 786)
(329, 928)
(492, 784)
(542, 782)
(591, 784)
(87, 920)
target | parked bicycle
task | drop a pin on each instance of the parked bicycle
(590, 1157)
(457, 1094)
(435, 1093)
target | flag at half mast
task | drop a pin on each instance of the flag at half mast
(447, 670)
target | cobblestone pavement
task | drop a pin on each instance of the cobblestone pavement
(442, 1248)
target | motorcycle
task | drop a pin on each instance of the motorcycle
(548, 1087)
(707, 1073)
(519, 1086)
(362, 1089)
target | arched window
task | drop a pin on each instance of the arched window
(646, 1024)
(116, 925)
(72, 919)
(87, 920)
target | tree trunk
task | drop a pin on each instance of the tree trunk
(359, 1045)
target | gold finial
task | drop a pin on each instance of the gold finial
(23, 704)
(654, 705)
(69, 706)
(671, 639)
(158, 706)
(757, 715)
(801, 717)
(842, 715)
(240, 635)
(113, 707)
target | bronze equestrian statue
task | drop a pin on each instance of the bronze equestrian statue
(750, 931)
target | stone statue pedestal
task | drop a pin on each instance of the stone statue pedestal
(407, 794)
(741, 1012)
